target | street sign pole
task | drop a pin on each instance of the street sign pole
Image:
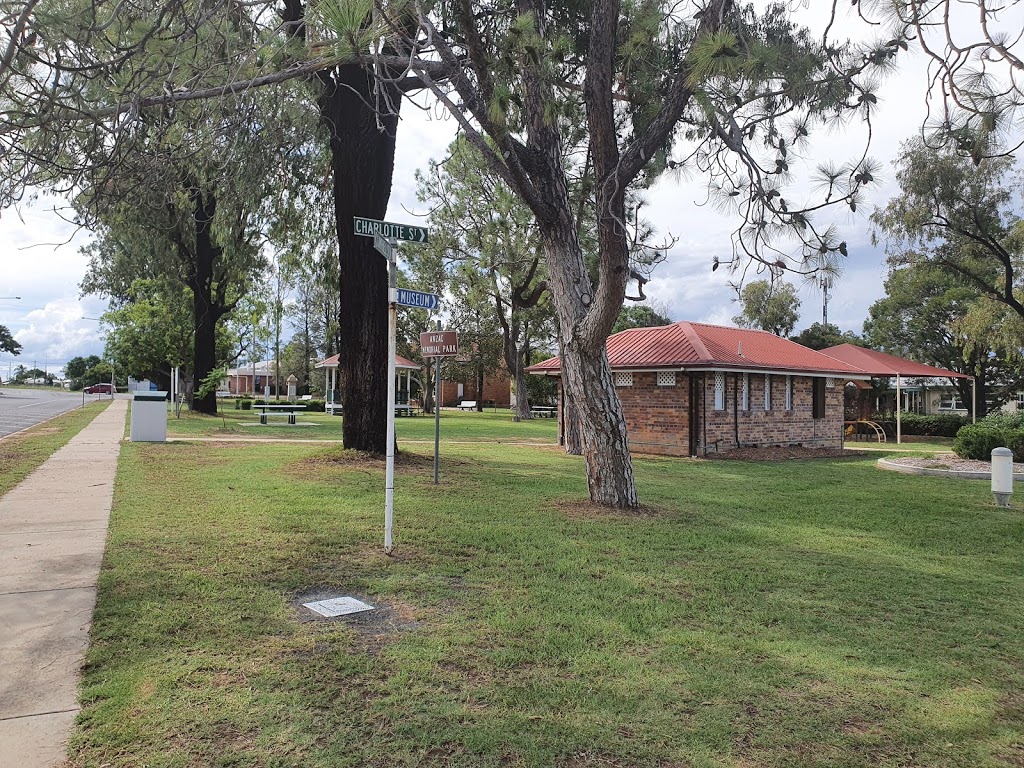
(385, 240)
(437, 409)
(389, 472)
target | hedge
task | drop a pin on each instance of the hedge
(976, 441)
(935, 425)
(311, 406)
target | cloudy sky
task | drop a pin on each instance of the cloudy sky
(41, 263)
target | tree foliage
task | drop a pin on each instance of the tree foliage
(922, 317)
(975, 82)
(8, 343)
(770, 306)
(822, 335)
(959, 217)
(640, 316)
(487, 257)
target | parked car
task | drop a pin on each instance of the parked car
(103, 388)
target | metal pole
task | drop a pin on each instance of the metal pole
(389, 473)
(974, 400)
(437, 410)
(899, 433)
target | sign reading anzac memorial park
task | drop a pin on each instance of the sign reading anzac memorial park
(439, 344)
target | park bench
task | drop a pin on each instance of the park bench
(467, 405)
(290, 411)
(543, 411)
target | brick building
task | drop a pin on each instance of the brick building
(690, 389)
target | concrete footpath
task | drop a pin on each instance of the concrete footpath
(53, 529)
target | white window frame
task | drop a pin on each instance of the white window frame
(767, 391)
(746, 391)
(719, 390)
(789, 393)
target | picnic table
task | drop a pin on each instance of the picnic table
(288, 410)
(404, 409)
(543, 411)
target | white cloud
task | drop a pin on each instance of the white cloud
(57, 332)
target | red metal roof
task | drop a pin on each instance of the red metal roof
(400, 362)
(699, 345)
(880, 364)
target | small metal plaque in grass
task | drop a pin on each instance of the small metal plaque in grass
(338, 606)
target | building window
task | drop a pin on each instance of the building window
(830, 382)
(818, 401)
(789, 393)
(951, 403)
(1020, 401)
(666, 378)
(719, 391)
(767, 391)
(746, 391)
(623, 378)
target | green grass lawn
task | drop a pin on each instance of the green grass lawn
(20, 454)
(806, 613)
(455, 426)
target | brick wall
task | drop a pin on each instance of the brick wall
(657, 416)
(758, 427)
(497, 387)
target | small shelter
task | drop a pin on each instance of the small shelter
(403, 367)
(691, 389)
(882, 365)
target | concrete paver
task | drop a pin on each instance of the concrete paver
(53, 529)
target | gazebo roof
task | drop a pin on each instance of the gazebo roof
(880, 364)
(401, 363)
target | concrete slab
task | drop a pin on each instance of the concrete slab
(41, 665)
(27, 742)
(50, 559)
(52, 535)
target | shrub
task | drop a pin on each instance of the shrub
(1005, 419)
(245, 405)
(934, 425)
(976, 441)
(313, 406)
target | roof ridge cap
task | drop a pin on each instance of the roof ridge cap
(695, 341)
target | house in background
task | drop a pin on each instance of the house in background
(239, 381)
(497, 390)
(692, 389)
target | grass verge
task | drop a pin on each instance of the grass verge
(21, 453)
(490, 426)
(806, 613)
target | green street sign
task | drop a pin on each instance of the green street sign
(387, 229)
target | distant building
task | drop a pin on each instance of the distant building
(691, 389)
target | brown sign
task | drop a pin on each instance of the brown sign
(439, 344)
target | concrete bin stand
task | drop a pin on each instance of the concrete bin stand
(149, 417)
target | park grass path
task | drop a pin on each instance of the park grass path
(53, 528)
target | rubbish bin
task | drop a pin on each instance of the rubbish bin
(149, 417)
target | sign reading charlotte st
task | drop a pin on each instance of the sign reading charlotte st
(439, 344)
(417, 299)
(371, 227)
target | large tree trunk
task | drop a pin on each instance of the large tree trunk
(586, 374)
(204, 310)
(362, 161)
(602, 426)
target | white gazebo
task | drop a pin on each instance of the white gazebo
(403, 367)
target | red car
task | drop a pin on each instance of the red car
(104, 388)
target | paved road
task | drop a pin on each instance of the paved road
(20, 408)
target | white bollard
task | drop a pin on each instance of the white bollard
(1002, 476)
